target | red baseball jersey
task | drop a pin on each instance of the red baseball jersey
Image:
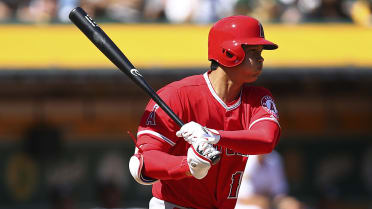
(194, 99)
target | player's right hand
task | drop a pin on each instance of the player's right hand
(200, 156)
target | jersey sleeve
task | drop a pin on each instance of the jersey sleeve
(156, 123)
(262, 129)
(263, 107)
(157, 135)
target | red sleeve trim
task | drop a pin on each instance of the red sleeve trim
(157, 135)
(266, 118)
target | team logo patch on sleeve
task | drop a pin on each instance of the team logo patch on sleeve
(151, 118)
(268, 104)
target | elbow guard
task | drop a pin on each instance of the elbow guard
(135, 168)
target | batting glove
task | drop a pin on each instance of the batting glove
(200, 157)
(194, 131)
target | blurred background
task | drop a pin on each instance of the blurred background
(65, 111)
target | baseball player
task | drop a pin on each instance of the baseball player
(227, 118)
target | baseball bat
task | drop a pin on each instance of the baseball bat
(99, 38)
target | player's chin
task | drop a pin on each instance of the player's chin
(257, 72)
(253, 78)
(259, 67)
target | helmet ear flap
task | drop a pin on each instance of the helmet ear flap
(229, 55)
(232, 54)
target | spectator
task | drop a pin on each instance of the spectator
(9, 8)
(197, 11)
(333, 10)
(64, 8)
(264, 184)
(189, 11)
(153, 10)
(5, 10)
(125, 11)
(290, 11)
(265, 10)
(361, 12)
(38, 11)
(94, 8)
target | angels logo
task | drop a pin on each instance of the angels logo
(151, 118)
(268, 104)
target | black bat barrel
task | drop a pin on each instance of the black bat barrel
(96, 35)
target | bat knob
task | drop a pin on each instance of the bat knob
(215, 159)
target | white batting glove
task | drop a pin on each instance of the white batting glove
(200, 156)
(193, 131)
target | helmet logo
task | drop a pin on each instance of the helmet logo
(262, 34)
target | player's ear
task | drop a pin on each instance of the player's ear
(232, 53)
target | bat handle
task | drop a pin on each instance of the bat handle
(162, 104)
(177, 120)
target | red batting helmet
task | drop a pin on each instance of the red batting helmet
(227, 36)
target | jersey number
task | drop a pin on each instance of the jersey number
(236, 179)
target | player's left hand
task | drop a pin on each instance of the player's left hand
(200, 157)
(193, 131)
